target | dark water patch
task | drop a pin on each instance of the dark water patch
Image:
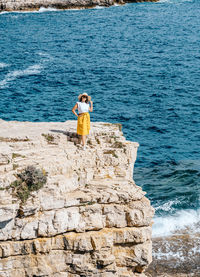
(171, 181)
(156, 129)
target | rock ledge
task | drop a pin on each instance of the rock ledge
(89, 219)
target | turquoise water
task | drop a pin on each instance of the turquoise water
(140, 63)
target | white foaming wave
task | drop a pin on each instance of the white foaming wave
(43, 9)
(160, 255)
(44, 54)
(49, 9)
(177, 255)
(44, 57)
(173, 1)
(3, 65)
(15, 12)
(99, 7)
(167, 225)
(31, 70)
(164, 1)
(1, 13)
(167, 206)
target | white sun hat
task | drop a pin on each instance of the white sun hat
(80, 95)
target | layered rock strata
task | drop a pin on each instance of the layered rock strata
(89, 219)
(24, 5)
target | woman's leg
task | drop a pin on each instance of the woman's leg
(83, 139)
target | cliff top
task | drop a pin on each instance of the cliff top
(61, 205)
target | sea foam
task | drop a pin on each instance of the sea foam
(3, 65)
(173, 1)
(31, 70)
(42, 9)
(167, 225)
(167, 206)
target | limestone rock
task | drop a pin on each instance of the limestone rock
(89, 219)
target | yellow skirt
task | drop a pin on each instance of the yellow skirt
(83, 124)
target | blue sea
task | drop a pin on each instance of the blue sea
(141, 65)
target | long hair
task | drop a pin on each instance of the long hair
(86, 101)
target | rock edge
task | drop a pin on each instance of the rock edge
(90, 219)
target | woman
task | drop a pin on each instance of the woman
(83, 125)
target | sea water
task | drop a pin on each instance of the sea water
(141, 65)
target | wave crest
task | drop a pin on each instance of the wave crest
(182, 219)
(3, 65)
(11, 76)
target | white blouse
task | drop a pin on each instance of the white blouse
(83, 107)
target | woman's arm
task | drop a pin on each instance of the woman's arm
(91, 106)
(74, 108)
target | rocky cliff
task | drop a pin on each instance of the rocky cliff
(16, 5)
(88, 219)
